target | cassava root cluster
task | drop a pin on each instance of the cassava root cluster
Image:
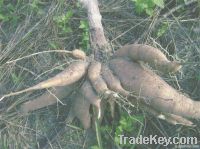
(123, 75)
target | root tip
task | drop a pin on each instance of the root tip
(2, 98)
(79, 54)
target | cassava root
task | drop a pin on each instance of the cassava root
(94, 75)
(47, 98)
(89, 94)
(112, 82)
(120, 75)
(80, 109)
(150, 55)
(73, 73)
(79, 54)
(156, 92)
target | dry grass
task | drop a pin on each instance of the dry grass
(35, 31)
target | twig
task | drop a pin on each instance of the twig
(56, 97)
(26, 69)
(178, 7)
(50, 51)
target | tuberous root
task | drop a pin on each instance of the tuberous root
(148, 54)
(94, 75)
(73, 73)
(80, 109)
(100, 81)
(89, 94)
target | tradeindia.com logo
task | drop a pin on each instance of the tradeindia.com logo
(165, 141)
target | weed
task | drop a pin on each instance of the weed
(7, 12)
(16, 78)
(128, 125)
(84, 43)
(147, 6)
(63, 22)
(35, 6)
(162, 29)
(53, 45)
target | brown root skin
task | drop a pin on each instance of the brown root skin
(112, 105)
(71, 74)
(154, 57)
(170, 118)
(112, 82)
(47, 98)
(153, 89)
(94, 75)
(79, 54)
(80, 109)
(89, 94)
(74, 72)
(175, 119)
